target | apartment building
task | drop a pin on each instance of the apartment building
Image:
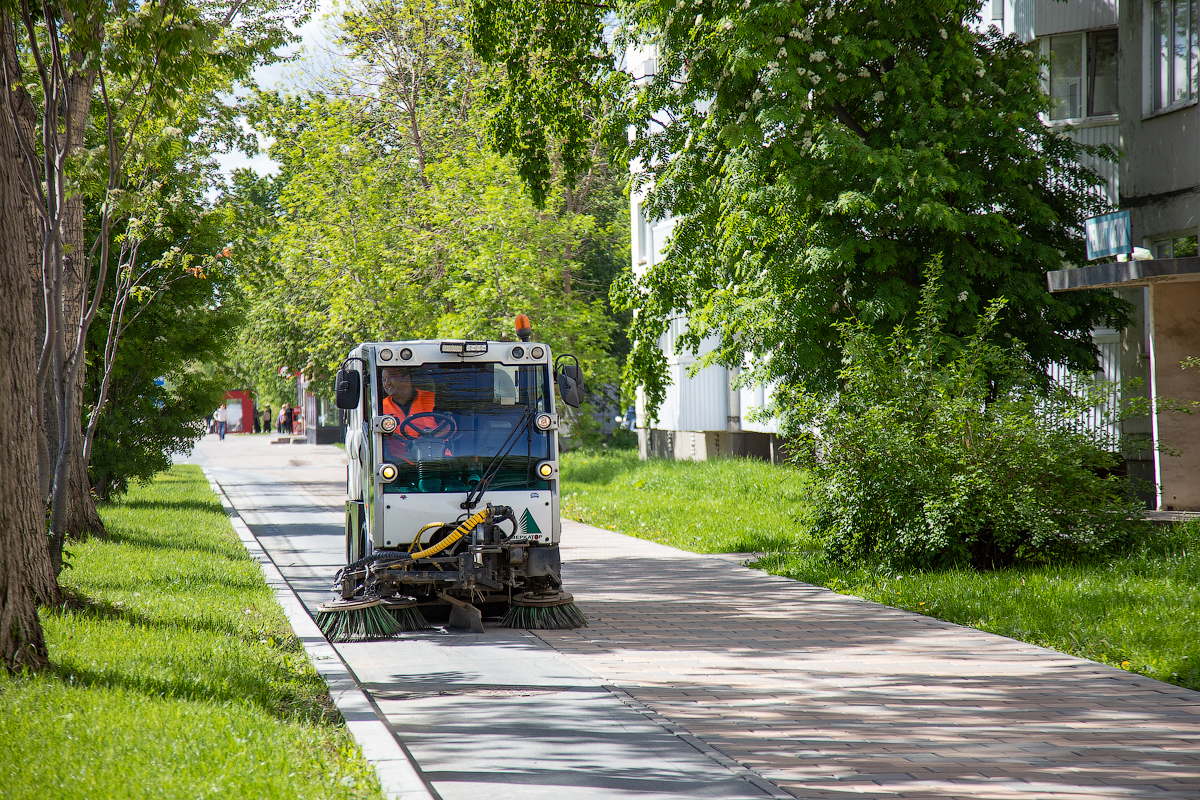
(1126, 73)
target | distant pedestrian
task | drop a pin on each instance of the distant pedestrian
(221, 416)
(279, 419)
(257, 423)
(288, 415)
(268, 419)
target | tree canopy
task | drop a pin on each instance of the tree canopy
(392, 219)
(817, 155)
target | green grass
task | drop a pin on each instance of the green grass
(726, 506)
(1139, 611)
(174, 673)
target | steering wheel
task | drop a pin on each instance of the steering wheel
(443, 428)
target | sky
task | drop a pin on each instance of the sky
(288, 76)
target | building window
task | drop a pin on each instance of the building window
(1102, 73)
(1175, 247)
(1175, 52)
(1083, 74)
(643, 236)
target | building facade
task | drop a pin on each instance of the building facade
(1123, 74)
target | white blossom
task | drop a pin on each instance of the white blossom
(863, 72)
(942, 33)
(741, 118)
(817, 56)
(841, 76)
(836, 39)
(829, 13)
(794, 33)
(756, 96)
(962, 297)
(815, 79)
(778, 40)
(170, 131)
(979, 72)
(877, 97)
(782, 52)
(772, 65)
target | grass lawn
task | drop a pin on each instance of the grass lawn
(174, 674)
(1139, 612)
(725, 506)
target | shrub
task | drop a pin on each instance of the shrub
(938, 452)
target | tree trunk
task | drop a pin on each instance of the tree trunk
(82, 518)
(25, 574)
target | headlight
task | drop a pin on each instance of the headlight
(385, 354)
(537, 352)
(388, 424)
(518, 352)
(405, 354)
(543, 422)
(547, 470)
(388, 472)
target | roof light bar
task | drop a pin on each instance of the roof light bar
(465, 348)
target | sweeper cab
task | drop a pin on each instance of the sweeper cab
(452, 486)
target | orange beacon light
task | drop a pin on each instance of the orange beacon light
(521, 323)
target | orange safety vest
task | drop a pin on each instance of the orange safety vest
(396, 445)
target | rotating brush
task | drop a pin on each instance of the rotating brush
(406, 614)
(544, 611)
(356, 620)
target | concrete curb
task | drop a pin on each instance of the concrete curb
(397, 775)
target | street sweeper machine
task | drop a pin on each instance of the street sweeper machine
(452, 486)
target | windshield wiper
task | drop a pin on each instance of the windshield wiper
(493, 467)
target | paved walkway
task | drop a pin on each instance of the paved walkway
(701, 678)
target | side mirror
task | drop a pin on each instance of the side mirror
(347, 388)
(570, 385)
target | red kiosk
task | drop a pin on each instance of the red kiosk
(240, 407)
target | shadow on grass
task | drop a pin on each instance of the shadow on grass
(87, 607)
(207, 506)
(134, 535)
(264, 682)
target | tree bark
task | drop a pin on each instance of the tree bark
(82, 518)
(25, 574)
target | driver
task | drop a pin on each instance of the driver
(403, 399)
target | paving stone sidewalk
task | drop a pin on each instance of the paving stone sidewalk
(829, 696)
(821, 694)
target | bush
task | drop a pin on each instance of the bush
(937, 452)
(147, 425)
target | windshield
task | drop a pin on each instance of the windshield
(455, 419)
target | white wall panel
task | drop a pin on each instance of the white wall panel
(1110, 170)
(752, 399)
(1055, 16)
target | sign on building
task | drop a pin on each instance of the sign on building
(1108, 235)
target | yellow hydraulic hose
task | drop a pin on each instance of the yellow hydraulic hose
(417, 539)
(459, 532)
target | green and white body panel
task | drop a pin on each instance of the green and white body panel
(385, 515)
